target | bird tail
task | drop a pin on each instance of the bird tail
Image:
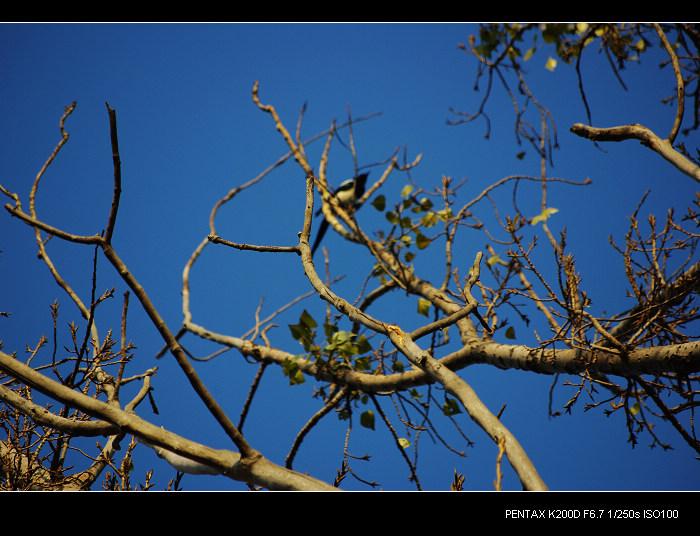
(319, 236)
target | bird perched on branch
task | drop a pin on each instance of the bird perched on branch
(347, 195)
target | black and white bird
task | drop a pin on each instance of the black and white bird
(347, 194)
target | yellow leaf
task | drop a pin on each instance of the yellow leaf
(551, 64)
(546, 213)
(423, 306)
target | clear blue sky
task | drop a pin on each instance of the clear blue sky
(189, 132)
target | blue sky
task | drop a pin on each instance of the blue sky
(189, 132)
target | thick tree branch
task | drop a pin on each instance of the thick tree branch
(260, 471)
(476, 409)
(403, 342)
(647, 138)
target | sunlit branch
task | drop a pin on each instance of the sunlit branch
(646, 137)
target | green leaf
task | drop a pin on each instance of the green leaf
(429, 219)
(345, 344)
(513, 52)
(379, 203)
(307, 320)
(544, 215)
(451, 407)
(291, 369)
(341, 342)
(304, 330)
(423, 306)
(510, 333)
(378, 270)
(367, 419)
(363, 345)
(444, 214)
(362, 363)
(392, 218)
(422, 241)
(406, 190)
(426, 204)
(549, 36)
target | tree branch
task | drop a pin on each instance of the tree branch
(646, 137)
(261, 472)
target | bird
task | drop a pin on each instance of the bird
(347, 194)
